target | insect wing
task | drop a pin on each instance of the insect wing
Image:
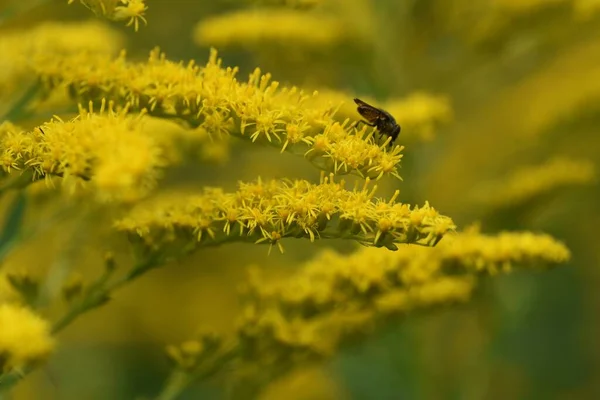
(369, 112)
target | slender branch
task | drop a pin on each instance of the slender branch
(96, 295)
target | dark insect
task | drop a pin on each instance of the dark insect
(378, 118)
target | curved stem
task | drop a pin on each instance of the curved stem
(96, 295)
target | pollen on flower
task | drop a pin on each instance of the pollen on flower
(24, 337)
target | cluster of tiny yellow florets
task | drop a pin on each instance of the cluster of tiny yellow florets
(106, 148)
(476, 253)
(131, 11)
(333, 298)
(527, 183)
(266, 212)
(24, 337)
(332, 279)
(213, 99)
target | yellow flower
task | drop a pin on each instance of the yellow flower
(500, 253)
(333, 298)
(106, 148)
(213, 99)
(24, 337)
(266, 212)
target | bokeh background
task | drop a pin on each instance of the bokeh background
(519, 83)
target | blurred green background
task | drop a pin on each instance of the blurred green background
(523, 80)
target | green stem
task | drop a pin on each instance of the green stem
(97, 295)
(11, 378)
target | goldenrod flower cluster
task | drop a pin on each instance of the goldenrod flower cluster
(24, 337)
(118, 10)
(106, 148)
(335, 298)
(477, 253)
(527, 183)
(266, 212)
(213, 99)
